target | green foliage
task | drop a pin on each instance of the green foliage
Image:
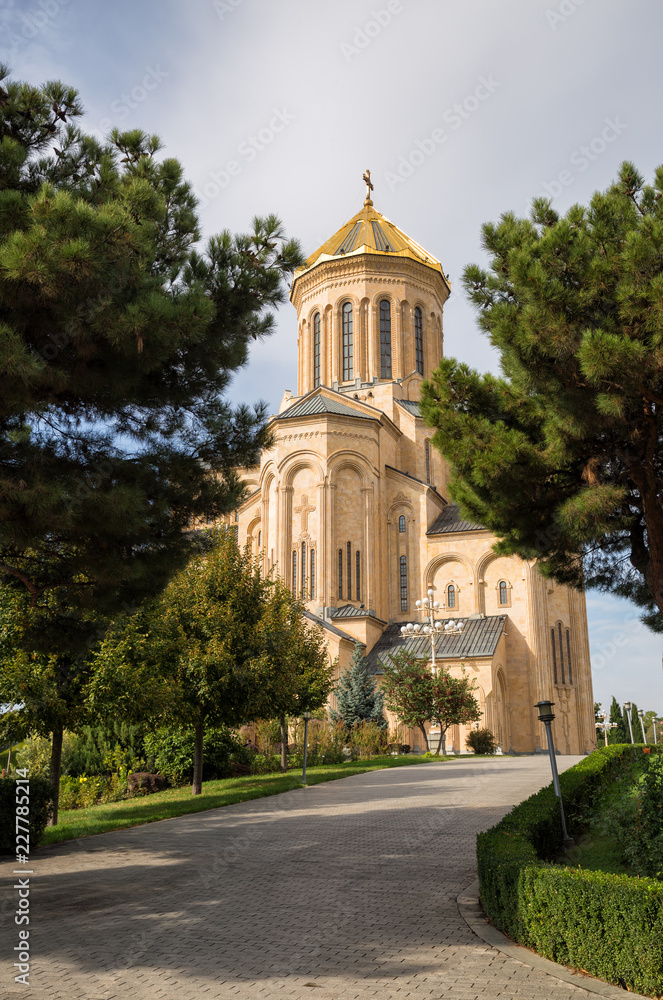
(368, 739)
(620, 733)
(406, 683)
(638, 825)
(481, 741)
(561, 455)
(326, 743)
(608, 924)
(39, 805)
(172, 751)
(357, 697)
(34, 753)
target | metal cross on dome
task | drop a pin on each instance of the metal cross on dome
(369, 185)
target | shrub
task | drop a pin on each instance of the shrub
(173, 748)
(481, 741)
(326, 742)
(34, 753)
(609, 925)
(40, 800)
(638, 825)
(367, 739)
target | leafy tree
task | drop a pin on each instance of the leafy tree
(406, 683)
(294, 671)
(453, 703)
(620, 733)
(191, 657)
(561, 455)
(118, 339)
(357, 697)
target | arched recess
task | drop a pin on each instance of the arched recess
(501, 713)
(469, 598)
(510, 571)
(337, 347)
(292, 464)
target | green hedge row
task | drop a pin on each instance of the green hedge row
(609, 925)
(40, 802)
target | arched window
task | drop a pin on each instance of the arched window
(561, 650)
(304, 571)
(427, 450)
(403, 583)
(358, 573)
(348, 359)
(401, 523)
(316, 350)
(312, 576)
(349, 551)
(294, 573)
(554, 655)
(419, 340)
(385, 339)
(451, 596)
(504, 592)
(259, 540)
(568, 655)
(340, 572)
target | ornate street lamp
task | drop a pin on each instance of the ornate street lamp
(641, 716)
(307, 716)
(627, 709)
(431, 628)
(605, 726)
(546, 716)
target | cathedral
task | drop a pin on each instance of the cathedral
(350, 504)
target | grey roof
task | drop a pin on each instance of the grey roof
(349, 611)
(450, 520)
(330, 628)
(479, 638)
(410, 405)
(322, 404)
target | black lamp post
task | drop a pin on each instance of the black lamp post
(546, 716)
(307, 716)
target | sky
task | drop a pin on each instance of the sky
(462, 111)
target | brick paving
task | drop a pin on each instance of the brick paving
(341, 891)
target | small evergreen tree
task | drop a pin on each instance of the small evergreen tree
(357, 697)
(620, 733)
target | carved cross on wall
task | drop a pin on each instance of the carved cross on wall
(304, 509)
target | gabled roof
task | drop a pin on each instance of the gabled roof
(410, 405)
(479, 638)
(450, 521)
(319, 403)
(329, 627)
(349, 611)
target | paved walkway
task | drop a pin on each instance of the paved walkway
(338, 891)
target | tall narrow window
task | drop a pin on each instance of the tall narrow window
(552, 639)
(294, 573)
(561, 650)
(385, 339)
(259, 540)
(451, 596)
(348, 358)
(303, 571)
(316, 350)
(504, 596)
(403, 583)
(358, 573)
(401, 523)
(568, 655)
(427, 450)
(340, 572)
(312, 576)
(349, 551)
(419, 340)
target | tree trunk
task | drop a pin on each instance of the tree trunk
(284, 743)
(442, 742)
(197, 787)
(54, 774)
(425, 735)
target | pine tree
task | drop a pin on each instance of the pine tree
(357, 697)
(118, 340)
(620, 733)
(561, 456)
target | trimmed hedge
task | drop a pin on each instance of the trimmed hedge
(40, 803)
(608, 925)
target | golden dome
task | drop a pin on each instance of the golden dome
(370, 232)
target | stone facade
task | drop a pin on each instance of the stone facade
(350, 503)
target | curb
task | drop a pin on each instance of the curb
(469, 907)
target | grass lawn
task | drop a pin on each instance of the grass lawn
(179, 801)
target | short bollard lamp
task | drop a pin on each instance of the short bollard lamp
(546, 716)
(307, 716)
(627, 709)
